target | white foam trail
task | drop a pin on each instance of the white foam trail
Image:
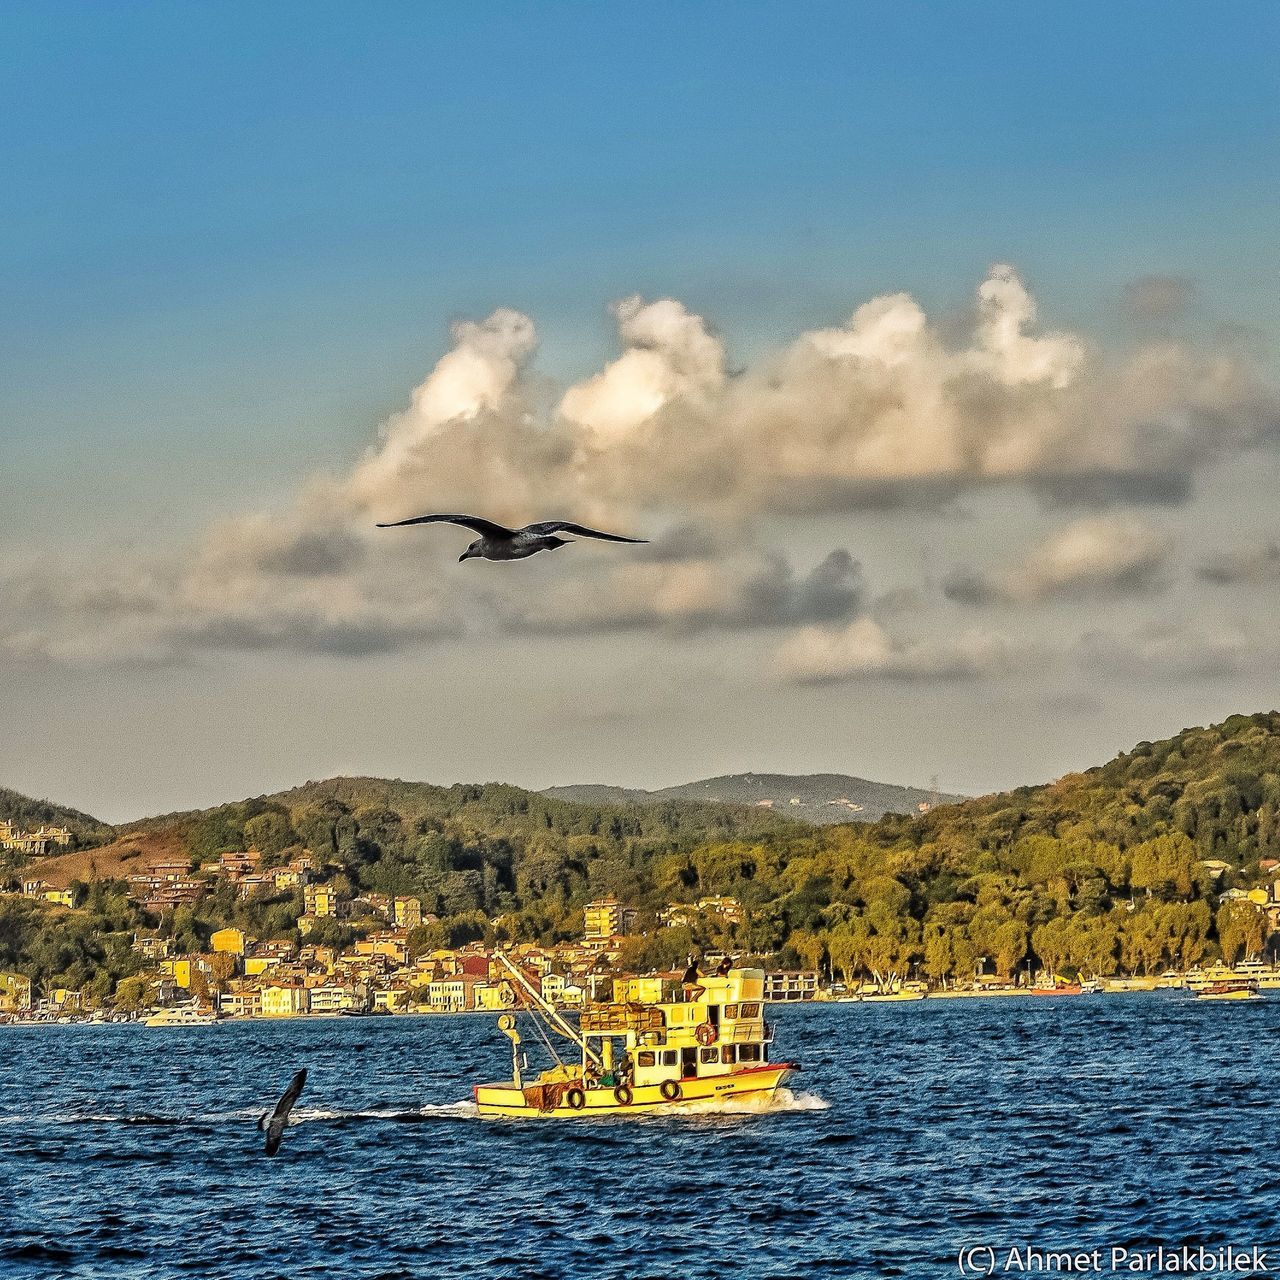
(462, 1110)
(781, 1100)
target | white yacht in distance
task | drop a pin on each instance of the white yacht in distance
(181, 1015)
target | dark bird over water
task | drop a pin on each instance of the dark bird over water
(496, 542)
(273, 1123)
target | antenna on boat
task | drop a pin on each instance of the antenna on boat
(548, 1011)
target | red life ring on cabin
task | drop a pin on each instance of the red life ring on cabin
(671, 1090)
(707, 1033)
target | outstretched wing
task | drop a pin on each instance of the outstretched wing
(565, 526)
(290, 1096)
(485, 528)
(275, 1131)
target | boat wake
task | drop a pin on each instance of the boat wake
(463, 1110)
(303, 1115)
(780, 1101)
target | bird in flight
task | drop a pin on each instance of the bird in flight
(273, 1123)
(497, 542)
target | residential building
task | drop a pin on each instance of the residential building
(34, 844)
(407, 913)
(284, 1000)
(244, 1000)
(723, 909)
(338, 997)
(322, 900)
(15, 993)
(240, 863)
(232, 942)
(151, 947)
(606, 918)
(389, 943)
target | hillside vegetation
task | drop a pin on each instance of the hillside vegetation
(1099, 872)
(817, 798)
(28, 814)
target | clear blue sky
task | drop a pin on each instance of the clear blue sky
(233, 237)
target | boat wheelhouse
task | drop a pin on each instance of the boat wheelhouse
(647, 1050)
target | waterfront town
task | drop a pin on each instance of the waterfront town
(392, 962)
(389, 967)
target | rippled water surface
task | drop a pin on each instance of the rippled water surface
(1076, 1123)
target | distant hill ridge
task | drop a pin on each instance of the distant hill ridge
(819, 798)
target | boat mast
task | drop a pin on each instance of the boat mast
(549, 1011)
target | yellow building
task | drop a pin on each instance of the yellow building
(254, 965)
(284, 1000)
(179, 969)
(63, 897)
(493, 995)
(602, 919)
(321, 900)
(230, 942)
(15, 992)
(407, 913)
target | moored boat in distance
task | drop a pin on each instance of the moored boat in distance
(181, 1015)
(1057, 988)
(641, 1053)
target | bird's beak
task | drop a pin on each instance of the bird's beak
(466, 555)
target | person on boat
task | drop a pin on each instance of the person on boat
(693, 989)
(722, 969)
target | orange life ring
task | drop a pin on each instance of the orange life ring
(707, 1033)
(624, 1095)
(575, 1099)
(671, 1090)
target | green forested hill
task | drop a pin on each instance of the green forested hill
(28, 814)
(817, 798)
(1101, 871)
(473, 851)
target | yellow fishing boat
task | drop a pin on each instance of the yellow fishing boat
(646, 1051)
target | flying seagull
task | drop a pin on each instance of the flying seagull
(497, 542)
(273, 1123)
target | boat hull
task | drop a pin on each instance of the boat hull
(755, 1084)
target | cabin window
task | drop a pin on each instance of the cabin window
(751, 1010)
(713, 1014)
(644, 1059)
(731, 1011)
(669, 1057)
(726, 1053)
(749, 1053)
(710, 1055)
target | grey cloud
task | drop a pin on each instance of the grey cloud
(738, 590)
(1182, 650)
(1256, 564)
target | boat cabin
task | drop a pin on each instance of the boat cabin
(643, 1039)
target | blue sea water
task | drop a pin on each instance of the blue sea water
(915, 1130)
